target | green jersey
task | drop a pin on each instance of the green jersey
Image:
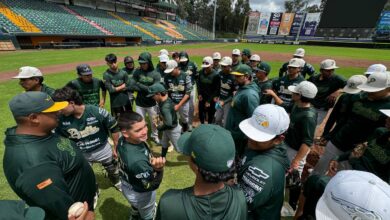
(307, 69)
(191, 69)
(262, 177)
(49, 172)
(181, 204)
(112, 80)
(90, 92)
(91, 131)
(227, 87)
(217, 68)
(168, 115)
(208, 85)
(142, 81)
(135, 167)
(178, 86)
(325, 88)
(129, 72)
(376, 157)
(264, 86)
(364, 117)
(48, 90)
(161, 72)
(280, 86)
(303, 122)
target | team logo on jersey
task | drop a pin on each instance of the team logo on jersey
(64, 145)
(258, 172)
(89, 130)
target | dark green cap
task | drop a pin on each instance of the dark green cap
(210, 146)
(11, 209)
(144, 57)
(263, 67)
(156, 88)
(34, 102)
(242, 69)
(246, 52)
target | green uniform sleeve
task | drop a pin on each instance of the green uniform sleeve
(308, 128)
(167, 119)
(283, 69)
(144, 172)
(188, 85)
(109, 122)
(44, 186)
(70, 85)
(334, 115)
(107, 83)
(216, 85)
(251, 102)
(102, 86)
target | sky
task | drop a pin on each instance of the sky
(272, 5)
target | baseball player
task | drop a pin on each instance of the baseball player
(208, 88)
(31, 79)
(117, 83)
(211, 152)
(89, 127)
(236, 53)
(43, 168)
(225, 93)
(144, 77)
(329, 87)
(216, 59)
(162, 66)
(170, 128)
(179, 88)
(363, 118)
(375, 68)
(280, 93)
(254, 61)
(191, 69)
(140, 172)
(245, 57)
(307, 69)
(129, 67)
(263, 82)
(263, 167)
(243, 104)
(88, 86)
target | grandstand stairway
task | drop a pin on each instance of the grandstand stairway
(168, 28)
(18, 20)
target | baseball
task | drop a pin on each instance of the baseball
(76, 209)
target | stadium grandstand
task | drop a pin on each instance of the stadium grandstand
(80, 23)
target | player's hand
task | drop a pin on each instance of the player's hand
(322, 141)
(269, 92)
(215, 99)
(333, 167)
(85, 215)
(115, 154)
(200, 98)
(207, 104)
(158, 163)
(101, 103)
(221, 103)
(294, 164)
(177, 107)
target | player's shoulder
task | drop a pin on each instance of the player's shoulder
(171, 196)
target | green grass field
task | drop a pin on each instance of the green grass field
(112, 204)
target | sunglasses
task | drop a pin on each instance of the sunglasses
(205, 63)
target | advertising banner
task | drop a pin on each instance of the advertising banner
(383, 27)
(263, 23)
(298, 17)
(253, 22)
(285, 24)
(310, 25)
(274, 23)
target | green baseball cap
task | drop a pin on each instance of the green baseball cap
(27, 103)
(15, 209)
(263, 67)
(211, 147)
(243, 69)
(156, 88)
(246, 52)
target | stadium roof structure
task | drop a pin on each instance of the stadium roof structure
(167, 3)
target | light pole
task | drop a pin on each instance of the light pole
(215, 12)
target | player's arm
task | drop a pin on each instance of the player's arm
(334, 115)
(104, 94)
(188, 90)
(308, 128)
(250, 103)
(44, 186)
(216, 85)
(111, 125)
(109, 86)
(149, 176)
(167, 120)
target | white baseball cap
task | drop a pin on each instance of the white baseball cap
(216, 56)
(236, 52)
(305, 88)
(267, 121)
(207, 61)
(376, 82)
(353, 82)
(296, 62)
(28, 72)
(354, 194)
(255, 57)
(171, 65)
(375, 68)
(164, 52)
(386, 112)
(163, 58)
(300, 52)
(226, 61)
(328, 64)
